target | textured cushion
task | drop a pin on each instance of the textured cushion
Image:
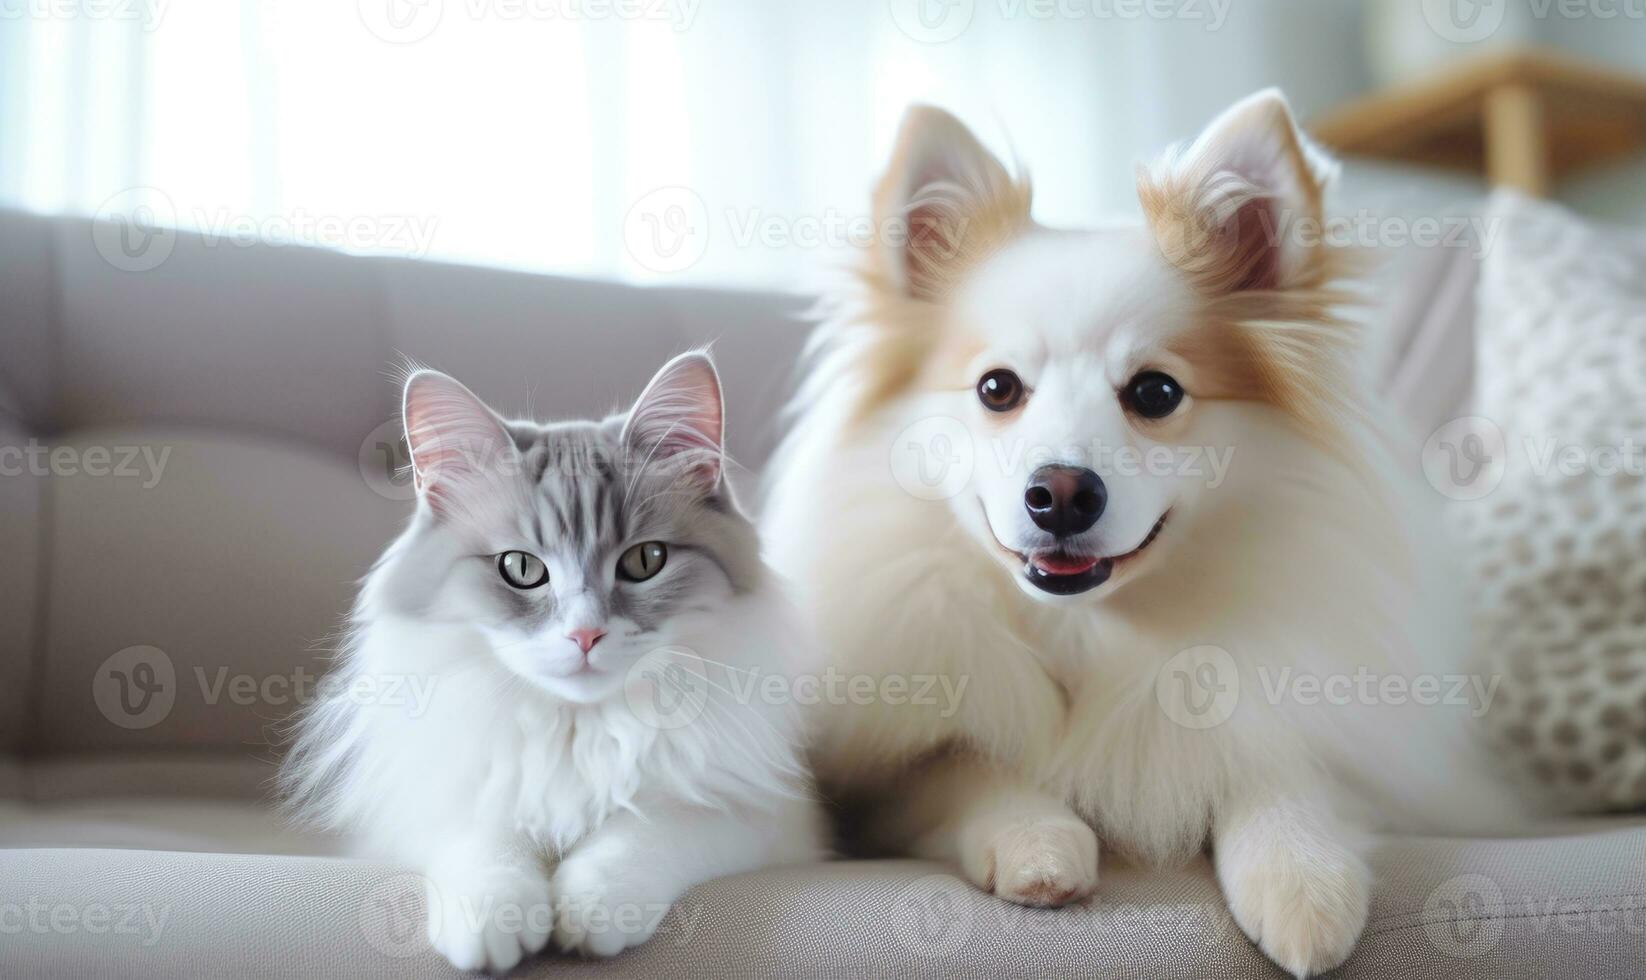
(1569, 906)
(1556, 520)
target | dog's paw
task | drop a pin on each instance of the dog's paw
(1041, 861)
(490, 918)
(1304, 908)
(600, 909)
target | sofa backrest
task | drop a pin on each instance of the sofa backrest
(198, 448)
(197, 459)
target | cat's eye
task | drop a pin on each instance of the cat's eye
(1000, 390)
(522, 570)
(1153, 394)
(642, 561)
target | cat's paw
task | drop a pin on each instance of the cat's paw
(490, 918)
(1039, 861)
(1304, 908)
(602, 907)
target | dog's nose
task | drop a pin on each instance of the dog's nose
(585, 638)
(1064, 500)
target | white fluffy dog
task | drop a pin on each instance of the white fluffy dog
(1128, 484)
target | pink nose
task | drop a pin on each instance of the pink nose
(586, 638)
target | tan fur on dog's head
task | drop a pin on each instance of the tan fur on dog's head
(1241, 235)
(944, 205)
(1226, 290)
(1233, 213)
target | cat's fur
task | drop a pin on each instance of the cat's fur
(548, 790)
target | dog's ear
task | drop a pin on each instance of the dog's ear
(944, 202)
(1240, 208)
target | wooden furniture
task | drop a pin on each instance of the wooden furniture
(1522, 118)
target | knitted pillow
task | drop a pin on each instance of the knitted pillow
(1554, 507)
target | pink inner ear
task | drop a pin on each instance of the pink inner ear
(1258, 246)
(935, 236)
(1240, 210)
(453, 436)
(679, 418)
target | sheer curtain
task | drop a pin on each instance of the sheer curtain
(727, 141)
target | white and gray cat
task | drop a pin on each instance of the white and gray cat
(578, 599)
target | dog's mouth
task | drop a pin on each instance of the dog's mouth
(1061, 572)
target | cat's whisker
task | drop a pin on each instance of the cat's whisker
(749, 739)
(789, 764)
(709, 660)
(725, 707)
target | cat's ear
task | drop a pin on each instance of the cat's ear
(455, 440)
(680, 419)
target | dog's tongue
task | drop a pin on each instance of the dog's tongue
(1061, 564)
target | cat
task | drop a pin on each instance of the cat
(576, 598)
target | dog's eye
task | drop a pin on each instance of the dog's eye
(1000, 390)
(1153, 395)
(642, 561)
(522, 570)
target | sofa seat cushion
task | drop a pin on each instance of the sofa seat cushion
(177, 774)
(151, 824)
(1445, 908)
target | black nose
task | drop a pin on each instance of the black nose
(1064, 500)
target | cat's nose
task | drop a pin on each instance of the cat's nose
(586, 637)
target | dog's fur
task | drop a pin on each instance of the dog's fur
(1313, 555)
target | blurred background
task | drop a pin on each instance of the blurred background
(587, 137)
(224, 222)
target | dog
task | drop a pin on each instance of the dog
(1130, 485)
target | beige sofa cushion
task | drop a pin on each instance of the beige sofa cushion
(22, 501)
(184, 599)
(1454, 909)
(289, 342)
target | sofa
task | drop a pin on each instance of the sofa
(198, 458)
